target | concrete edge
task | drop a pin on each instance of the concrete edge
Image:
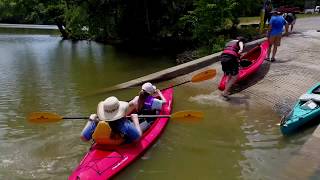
(179, 70)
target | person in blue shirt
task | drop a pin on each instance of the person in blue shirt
(277, 22)
(114, 113)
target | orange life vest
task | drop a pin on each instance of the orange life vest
(102, 135)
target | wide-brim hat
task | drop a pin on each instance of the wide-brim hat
(112, 109)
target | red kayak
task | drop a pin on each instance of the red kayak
(105, 161)
(256, 56)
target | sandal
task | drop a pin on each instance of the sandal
(225, 97)
(272, 59)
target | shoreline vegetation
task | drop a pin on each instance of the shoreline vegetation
(189, 29)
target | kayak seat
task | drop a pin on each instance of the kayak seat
(317, 90)
(245, 63)
(103, 135)
(309, 105)
(307, 97)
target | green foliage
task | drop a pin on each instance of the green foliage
(209, 20)
(218, 44)
(249, 8)
(166, 23)
(77, 22)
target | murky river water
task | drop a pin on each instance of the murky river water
(44, 73)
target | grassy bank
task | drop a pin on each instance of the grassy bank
(256, 19)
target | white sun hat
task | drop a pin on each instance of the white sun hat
(111, 109)
(149, 88)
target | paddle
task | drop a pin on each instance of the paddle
(46, 117)
(205, 75)
(202, 76)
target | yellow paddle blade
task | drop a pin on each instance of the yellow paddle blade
(190, 115)
(44, 117)
(208, 74)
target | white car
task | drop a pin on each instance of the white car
(308, 11)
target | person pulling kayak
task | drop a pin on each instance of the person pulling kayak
(114, 112)
(230, 62)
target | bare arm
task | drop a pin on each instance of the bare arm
(241, 47)
(132, 105)
(135, 120)
(269, 30)
(161, 96)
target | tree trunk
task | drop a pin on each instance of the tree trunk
(63, 32)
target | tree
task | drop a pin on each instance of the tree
(210, 19)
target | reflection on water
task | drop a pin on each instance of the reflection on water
(235, 140)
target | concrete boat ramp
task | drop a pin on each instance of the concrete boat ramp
(277, 85)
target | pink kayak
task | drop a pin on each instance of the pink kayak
(105, 161)
(256, 56)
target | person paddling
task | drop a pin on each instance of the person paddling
(230, 62)
(147, 101)
(114, 113)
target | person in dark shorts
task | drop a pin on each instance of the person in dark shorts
(230, 62)
(291, 20)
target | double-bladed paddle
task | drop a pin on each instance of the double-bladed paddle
(202, 76)
(47, 117)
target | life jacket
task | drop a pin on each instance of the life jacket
(147, 106)
(103, 133)
(232, 48)
(289, 17)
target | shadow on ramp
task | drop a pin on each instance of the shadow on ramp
(252, 79)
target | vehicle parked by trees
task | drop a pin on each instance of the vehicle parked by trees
(289, 9)
(317, 9)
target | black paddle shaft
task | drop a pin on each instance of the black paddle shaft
(75, 118)
(176, 85)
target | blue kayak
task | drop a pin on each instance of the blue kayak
(305, 110)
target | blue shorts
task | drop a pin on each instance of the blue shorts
(123, 126)
(126, 128)
(88, 130)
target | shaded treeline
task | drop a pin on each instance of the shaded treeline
(171, 24)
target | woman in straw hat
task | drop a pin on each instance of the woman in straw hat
(146, 102)
(114, 112)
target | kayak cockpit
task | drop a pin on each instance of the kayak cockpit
(248, 59)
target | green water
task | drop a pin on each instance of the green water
(42, 72)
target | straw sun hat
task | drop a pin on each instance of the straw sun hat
(111, 109)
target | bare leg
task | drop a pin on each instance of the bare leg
(269, 51)
(287, 29)
(231, 81)
(291, 28)
(274, 51)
